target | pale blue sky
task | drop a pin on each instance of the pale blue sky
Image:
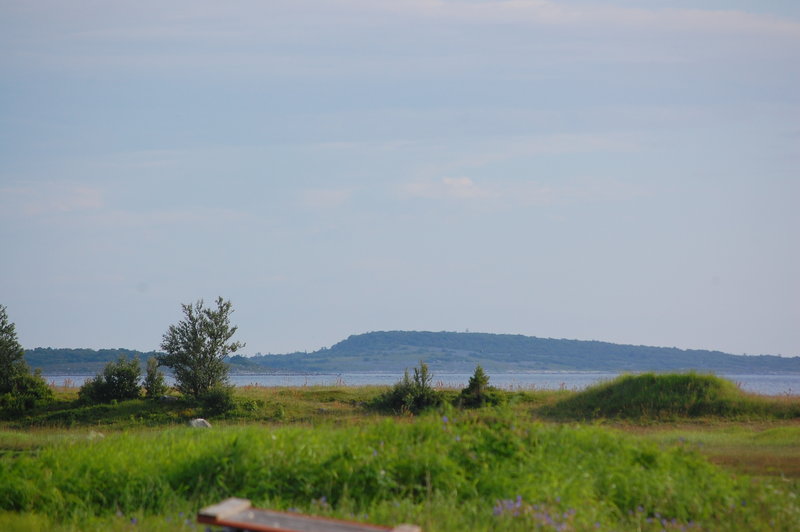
(621, 170)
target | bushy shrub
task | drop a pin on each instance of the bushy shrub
(119, 381)
(478, 392)
(154, 384)
(218, 400)
(27, 391)
(411, 394)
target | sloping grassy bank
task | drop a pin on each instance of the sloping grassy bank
(654, 396)
(481, 471)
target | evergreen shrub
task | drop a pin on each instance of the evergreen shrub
(411, 395)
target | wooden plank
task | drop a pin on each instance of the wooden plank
(237, 513)
(225, 508)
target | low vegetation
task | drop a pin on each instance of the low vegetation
(668, 396)
(433, 457)
(643, 398)
(118, 381)
(479, 471)
(411, 395)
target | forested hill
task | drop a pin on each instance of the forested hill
(394, 351)
(451, 351)
(66, 361)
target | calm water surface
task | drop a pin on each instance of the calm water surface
(772, 384)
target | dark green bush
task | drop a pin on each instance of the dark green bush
(478, 392)
(411, 394)
(119, 381)
(27, 391)
(217, 400)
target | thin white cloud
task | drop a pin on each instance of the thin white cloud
(51, 198)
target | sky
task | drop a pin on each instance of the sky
(618, 170)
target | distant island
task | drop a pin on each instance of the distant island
(394, 351)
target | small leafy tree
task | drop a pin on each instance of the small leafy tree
(118, 381)
(20, 389)
(411, 394)
(196, 347)
(154, 384)
(478, 392)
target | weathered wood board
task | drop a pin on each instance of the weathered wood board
(238, 513)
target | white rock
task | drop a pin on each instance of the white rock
(199, 423)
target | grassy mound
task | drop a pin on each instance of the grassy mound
(665, 396)
(483, 471)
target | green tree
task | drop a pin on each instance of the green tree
(12, 355)
(154, 384)
(20, 389)
(478, 392)
(479, 382)
(118, 381)
(196, 347)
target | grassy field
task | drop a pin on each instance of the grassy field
(322, 450)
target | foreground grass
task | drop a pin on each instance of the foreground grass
(764, 449)
(641, 465)
(480, 471)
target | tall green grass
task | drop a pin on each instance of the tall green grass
(480, 471)
(654, 396)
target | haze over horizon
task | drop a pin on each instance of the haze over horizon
(615, 170)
